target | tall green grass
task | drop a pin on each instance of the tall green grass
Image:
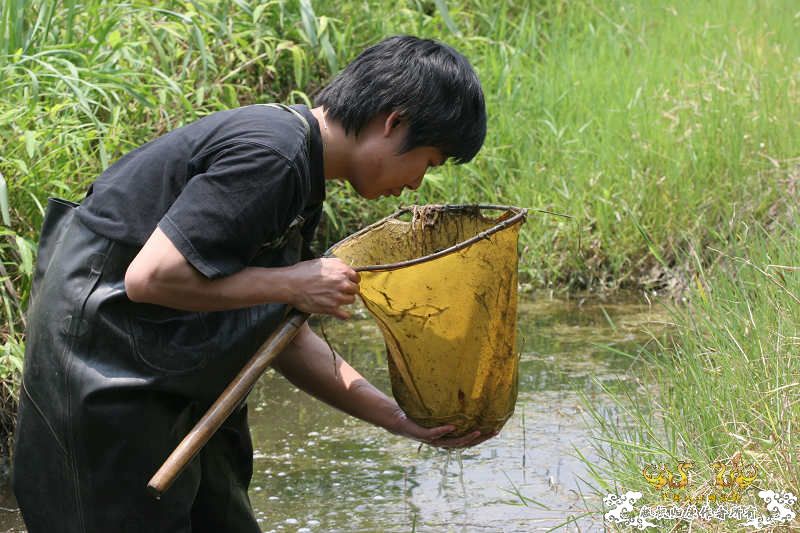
(729, 382)
(652, 122)
(83, 83)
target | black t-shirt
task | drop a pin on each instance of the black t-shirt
(219, 188)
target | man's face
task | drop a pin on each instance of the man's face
(380, 170)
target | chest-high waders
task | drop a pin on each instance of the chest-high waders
(110, 387)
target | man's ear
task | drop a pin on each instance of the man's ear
(393, 120)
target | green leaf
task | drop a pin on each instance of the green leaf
(200, 96)
(4, 201)
(26, 256)
(296, 95)
(30, 143)
(649, 241)
(330, 55)
(16, 362)
(229, 96)
(103, 153)
(258, 11)
(21, 165)
(445, 13)
(114, 38)
(333, 217)
(309, 22)
(323, 25)
(298, 60)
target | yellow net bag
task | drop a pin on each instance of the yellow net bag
(441, 282)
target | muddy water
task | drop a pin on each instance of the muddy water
(318, 470)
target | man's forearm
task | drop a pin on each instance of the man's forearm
(161, 275)
(308, 363)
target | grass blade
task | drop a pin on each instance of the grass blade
(445, 14)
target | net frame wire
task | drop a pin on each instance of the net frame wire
(520, 214)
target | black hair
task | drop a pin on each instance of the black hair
(427, 82)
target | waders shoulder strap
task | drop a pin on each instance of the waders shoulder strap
(299, 220)
(306, 126)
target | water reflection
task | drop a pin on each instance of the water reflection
(318, 470)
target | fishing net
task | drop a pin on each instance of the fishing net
(441, 282)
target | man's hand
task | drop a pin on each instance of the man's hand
(323, 286)
(406, 427)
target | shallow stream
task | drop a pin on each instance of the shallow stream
(318, 470)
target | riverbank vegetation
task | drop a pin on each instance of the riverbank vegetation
(667, 130)
(726, 390)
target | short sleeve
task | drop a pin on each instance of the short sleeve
(246, 197)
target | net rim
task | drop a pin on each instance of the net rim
(519, 216)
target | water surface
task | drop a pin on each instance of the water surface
(319, 470)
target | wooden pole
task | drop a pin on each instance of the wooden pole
(230, 398)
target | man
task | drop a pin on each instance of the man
(152, 294)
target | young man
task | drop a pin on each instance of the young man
(152, 294)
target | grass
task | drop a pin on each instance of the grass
(653, 125)
(728, 385)
(667, 129)
(84, 83)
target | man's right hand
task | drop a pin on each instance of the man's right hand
(322, 286)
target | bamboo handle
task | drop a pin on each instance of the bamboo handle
(230, 398)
